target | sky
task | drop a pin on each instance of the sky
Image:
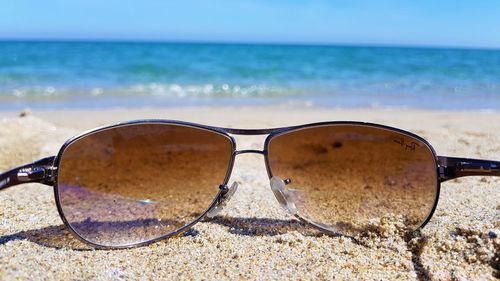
(443, 23)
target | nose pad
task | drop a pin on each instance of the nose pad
(222, 202)
(282, 194)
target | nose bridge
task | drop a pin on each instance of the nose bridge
(250, 143)
(246, 151)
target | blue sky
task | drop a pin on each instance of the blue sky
(457, 23)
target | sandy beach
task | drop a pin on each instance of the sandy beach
(253, 238)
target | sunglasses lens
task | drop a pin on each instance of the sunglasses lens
(346, 177)
(134, 183)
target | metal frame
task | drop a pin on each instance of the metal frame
(44, 171)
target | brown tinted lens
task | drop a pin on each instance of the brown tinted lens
(346, 177)
(137, 182)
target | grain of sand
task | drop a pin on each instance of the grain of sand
(253, 238)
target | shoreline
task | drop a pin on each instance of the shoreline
(425, 101)
(278, 103)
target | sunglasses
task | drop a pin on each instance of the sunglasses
(135, 183)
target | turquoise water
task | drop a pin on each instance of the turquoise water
(97, 74)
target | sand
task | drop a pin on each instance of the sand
(253, 238)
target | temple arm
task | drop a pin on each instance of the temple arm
(41, 171)
(452, 167)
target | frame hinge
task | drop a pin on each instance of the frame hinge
(453, 167)
(50, 175)
(442, 173)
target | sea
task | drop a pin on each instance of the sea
(85, 74)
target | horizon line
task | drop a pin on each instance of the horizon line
(250, 42)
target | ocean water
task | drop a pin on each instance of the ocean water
(100, 74)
